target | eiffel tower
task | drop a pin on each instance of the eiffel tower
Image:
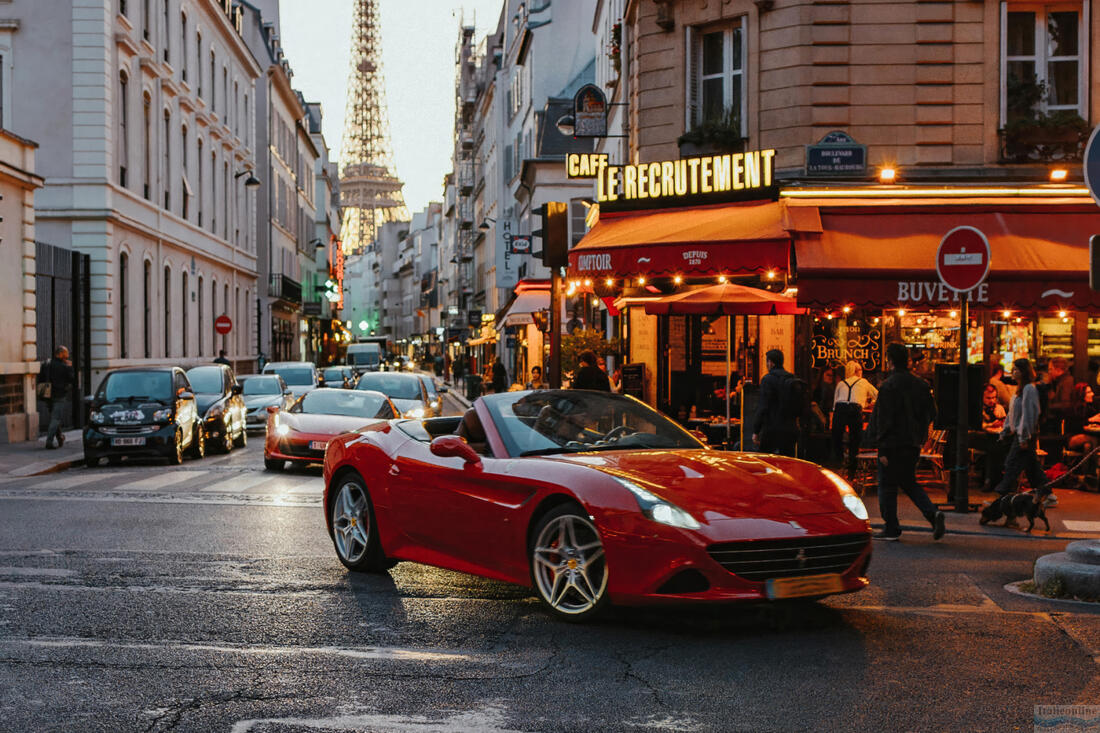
(370, 192)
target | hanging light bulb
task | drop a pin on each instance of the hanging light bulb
(954, 314)
(1007, 314)
(1062, 314)
(901, 311)
(588, 283)
(609, 282)
(721, 278)
(641, 279)
(847, 309)
(770, 274)
(678, 279)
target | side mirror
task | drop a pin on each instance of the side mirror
(185, 395)
(272, 409)
(442, 389)
(452, 446)
(89, 399)
(237, 389)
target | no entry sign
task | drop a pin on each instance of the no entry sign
(963, 258)
(222, 324)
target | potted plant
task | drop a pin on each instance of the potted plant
(1032, 135)
(721, 134)
(615, 47)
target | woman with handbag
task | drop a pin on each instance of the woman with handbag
(56, 380)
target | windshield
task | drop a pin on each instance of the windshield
(362, 358)
(568, 421)
(206, 379)
(397, 386)
(344, 402)
(334, 373)
(137, 385)
(261, 385)
(297, 376)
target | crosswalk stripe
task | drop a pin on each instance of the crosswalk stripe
(161, 480)
(238, 483)
(76, 479)
(309, 486)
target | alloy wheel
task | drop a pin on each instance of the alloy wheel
(351, 522)
(569, 566)
(227, 436)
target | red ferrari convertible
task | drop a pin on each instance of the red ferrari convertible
(301, 433)
(591, 498)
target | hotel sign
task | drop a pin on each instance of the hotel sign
(685, 182)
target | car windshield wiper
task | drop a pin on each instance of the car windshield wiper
(550, 451)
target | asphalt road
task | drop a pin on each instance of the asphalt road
(208, 597)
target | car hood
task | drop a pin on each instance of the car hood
(326, 424)
(406, 405)
(300, 389)
(716, 485)
(262, 400)
(205, 401)
(129, 413)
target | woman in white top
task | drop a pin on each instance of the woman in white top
(850, 398)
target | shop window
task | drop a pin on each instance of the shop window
(1094, 338)
(1041, 60)
(1055, 338)
(716, 77)
(1012, 340)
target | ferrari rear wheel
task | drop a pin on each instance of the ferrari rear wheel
(354, 530)
(568, 564)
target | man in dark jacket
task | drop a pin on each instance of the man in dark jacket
(500, 376)
(899, 423)
(773, 431)
(58, 373)
(589, 375)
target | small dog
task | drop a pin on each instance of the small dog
(1013, 506)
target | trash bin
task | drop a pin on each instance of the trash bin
(473, 386)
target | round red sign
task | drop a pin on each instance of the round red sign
(963, 258)
(223, 325)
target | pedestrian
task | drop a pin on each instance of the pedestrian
(853, 395)
(1004, 394)
(1022, 429)
(775, 427)
(500, 376)
(222, 358)
(899, 423)
(56, 380)
(825, 393)
(536, 378)
(589, 375)
(458, 368)
(1060, 404)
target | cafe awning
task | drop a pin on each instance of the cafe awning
(727, 299)
(732, 239)
(883, 254)
(529, 297)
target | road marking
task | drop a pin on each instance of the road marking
(76, 479)
(1077, 525)
(160, 480)
(238, 483)
(488, 719)
(309, 486)
(280, 500)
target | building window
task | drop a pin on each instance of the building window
(183, 302)
(167, 322)
(123, 305)
(716, 77)
(147, 188)
(167, 36)
(225, 95)
(236, 109)
(214, 191)
(225, 200)
(167, 160)
(1041, 71)
(237, 320)
(123, 128)
(202, 325)
(185, 194)
(183, 46)
(147, 311)
(577, 227)
(198, 167)
(146, 17)
(198, 61)
(225, 310)
(122, 7)
(213, 71)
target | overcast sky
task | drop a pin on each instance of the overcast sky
(418, 57)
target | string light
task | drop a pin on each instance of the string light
(1062, 314)
(1018, 319)
(771, 274)
(901, 311)
(641, 279)
(875, 321)
(721, 278)
(954, 314)
(1006, 314)
(609, 282)
(829, 316)
(588, 283)
(847, 309)
(678, 279)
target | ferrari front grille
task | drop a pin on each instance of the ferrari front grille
(760, 560)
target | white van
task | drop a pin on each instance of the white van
(364, 357)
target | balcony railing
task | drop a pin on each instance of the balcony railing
(282, 287)
(1063, 144)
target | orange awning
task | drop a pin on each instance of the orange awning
(885, 255)
(702, 240)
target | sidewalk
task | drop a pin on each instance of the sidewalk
(32, 458)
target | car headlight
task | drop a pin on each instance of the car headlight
(97, 418)
(282, 429)
(416, 413)
(435, 404)
(851, 500)
(163, 415)
(658, 509)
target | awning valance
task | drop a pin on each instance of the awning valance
(525, 303)
(885, 256)
(733, 239)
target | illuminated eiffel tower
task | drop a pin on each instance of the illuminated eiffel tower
(370, 191)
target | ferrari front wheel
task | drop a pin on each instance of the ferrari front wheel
(568, 565)
(354, 529)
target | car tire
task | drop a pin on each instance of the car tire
(91, 461)
(242, 439)
(198, 441)
(273, 465)
(176, 456)
(568, 564)
(353, 527)
(113, 460)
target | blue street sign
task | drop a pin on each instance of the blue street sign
(1091, 165)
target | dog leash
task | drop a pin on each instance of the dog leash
(1077, 465)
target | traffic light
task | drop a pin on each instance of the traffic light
(554, 233)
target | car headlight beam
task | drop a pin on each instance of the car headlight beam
(848, 495)
(658, 509)
(415, 413)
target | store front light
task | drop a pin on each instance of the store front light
(1062, 314)
(954, 314)
(609, 282)
(678, 279)
(770, 274)
(847, 309)
(721, 278)
(641, 279)
(1006, 314)
(901, 311)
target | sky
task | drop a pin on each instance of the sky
(418, 59)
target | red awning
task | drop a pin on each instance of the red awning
(885, 256)
(733, 239)
(727, 299)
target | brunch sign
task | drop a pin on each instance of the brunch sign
(669, 179)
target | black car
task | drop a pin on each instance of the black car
(143, 412)
(261, 391)
(338, 377)
(218, 397)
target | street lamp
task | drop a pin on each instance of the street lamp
(484, 225)
(250, 182)
(566, 125)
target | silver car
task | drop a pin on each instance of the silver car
(300, 376)
(261, 391)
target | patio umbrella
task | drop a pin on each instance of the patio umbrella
(726, 299)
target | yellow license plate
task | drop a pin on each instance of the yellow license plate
(806, 585)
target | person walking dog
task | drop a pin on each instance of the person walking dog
(1022, 428)
(56, 380)
(900, 421)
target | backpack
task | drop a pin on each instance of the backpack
(795, 398)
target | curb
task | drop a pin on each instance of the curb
(41, 468)
(994, 535)
(1014, 589)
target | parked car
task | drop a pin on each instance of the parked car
(300, 433)
(338, 377)
(300, 376)
(592, 498)
(218, 398)
(143, 412)
(261, 391)
(406, 391)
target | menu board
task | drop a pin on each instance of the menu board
(634, 380)
(677, 343)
